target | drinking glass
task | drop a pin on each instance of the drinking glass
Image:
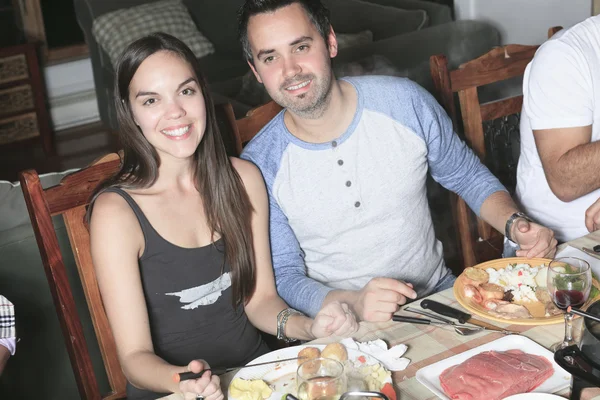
(569, 282)
(321, 379)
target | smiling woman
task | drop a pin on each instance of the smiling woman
(186, 277)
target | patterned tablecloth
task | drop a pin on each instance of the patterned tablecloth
(428, 344)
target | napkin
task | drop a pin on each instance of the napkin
(571, 251)
(390, 358)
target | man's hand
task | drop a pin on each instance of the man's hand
(533, 239)
(380, 298)
(592, 217)
(336, 319)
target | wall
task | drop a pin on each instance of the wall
(525, 21)
(71, 94)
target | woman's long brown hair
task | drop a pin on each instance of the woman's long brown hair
(226, 203)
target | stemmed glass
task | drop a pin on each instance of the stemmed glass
(321, 379)
(569, 282)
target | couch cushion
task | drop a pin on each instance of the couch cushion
(351, 16)
(117, 29)
(13, 212)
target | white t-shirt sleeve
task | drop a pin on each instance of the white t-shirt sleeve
(558, 88)
(10, 344)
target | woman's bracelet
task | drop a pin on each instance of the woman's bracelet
(282, 319)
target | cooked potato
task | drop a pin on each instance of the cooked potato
(336, 351)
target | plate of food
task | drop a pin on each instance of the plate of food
(273, 381)
(508, 290)
(504, 367)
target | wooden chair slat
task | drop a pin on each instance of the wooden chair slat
(74, 190)
(471, 114)
(500, 108)
(499, 64)
(79, 237)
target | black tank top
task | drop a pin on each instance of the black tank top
(188, 296)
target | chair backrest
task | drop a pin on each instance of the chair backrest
(254, 120)
(70, 199)
(478, 241)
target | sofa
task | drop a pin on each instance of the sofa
(404, 34)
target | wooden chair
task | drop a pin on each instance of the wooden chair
(478, 241)
(70, 199)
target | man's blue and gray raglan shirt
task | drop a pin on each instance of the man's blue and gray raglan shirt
(346, 211)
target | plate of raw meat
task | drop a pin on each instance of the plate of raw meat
(507, 366)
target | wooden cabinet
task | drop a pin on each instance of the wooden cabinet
(23, 112)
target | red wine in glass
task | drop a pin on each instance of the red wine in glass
(565, 298)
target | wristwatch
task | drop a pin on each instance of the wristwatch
(511, 220)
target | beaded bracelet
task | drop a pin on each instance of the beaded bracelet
(282, 319)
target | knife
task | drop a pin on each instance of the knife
(461, 316)
(184, 376)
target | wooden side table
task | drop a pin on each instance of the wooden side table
(23, 112)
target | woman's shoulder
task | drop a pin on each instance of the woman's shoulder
(246, 169)
(111, 206)
(249, 173)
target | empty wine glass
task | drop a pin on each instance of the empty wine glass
(321, 379)
(569, 282)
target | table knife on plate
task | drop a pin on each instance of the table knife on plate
(184, 376)
(461, 316)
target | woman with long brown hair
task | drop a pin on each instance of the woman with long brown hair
(180, 236)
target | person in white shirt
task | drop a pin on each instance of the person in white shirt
(7, 331)
(558, 175)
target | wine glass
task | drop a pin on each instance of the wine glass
(569, 282)
(321, 379)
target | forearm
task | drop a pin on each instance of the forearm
(349, 297)
(496, 210)
(145, 370)
(4, 356)
(263, 315)
(575, 173)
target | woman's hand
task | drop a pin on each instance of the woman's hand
(336, 319)
(208, 386)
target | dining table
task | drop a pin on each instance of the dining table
(429, 344)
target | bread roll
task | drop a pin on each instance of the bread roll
(336, 351)
(304, 357)
(474, 276)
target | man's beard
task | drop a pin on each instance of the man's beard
(309, 108)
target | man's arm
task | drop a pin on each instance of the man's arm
(559, 104)
(570, 160)
(456, 167)
(4, 356)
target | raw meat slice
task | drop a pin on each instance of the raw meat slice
(492, 375)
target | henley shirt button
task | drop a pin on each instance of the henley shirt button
(340, 162)
(348, 183)
(357, 204)
(334, 144)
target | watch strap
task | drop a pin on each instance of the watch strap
(510, 221)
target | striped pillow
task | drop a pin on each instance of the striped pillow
(117, 29)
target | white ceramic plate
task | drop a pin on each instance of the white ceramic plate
(430, 375)
(534, 396)
(282, 376)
